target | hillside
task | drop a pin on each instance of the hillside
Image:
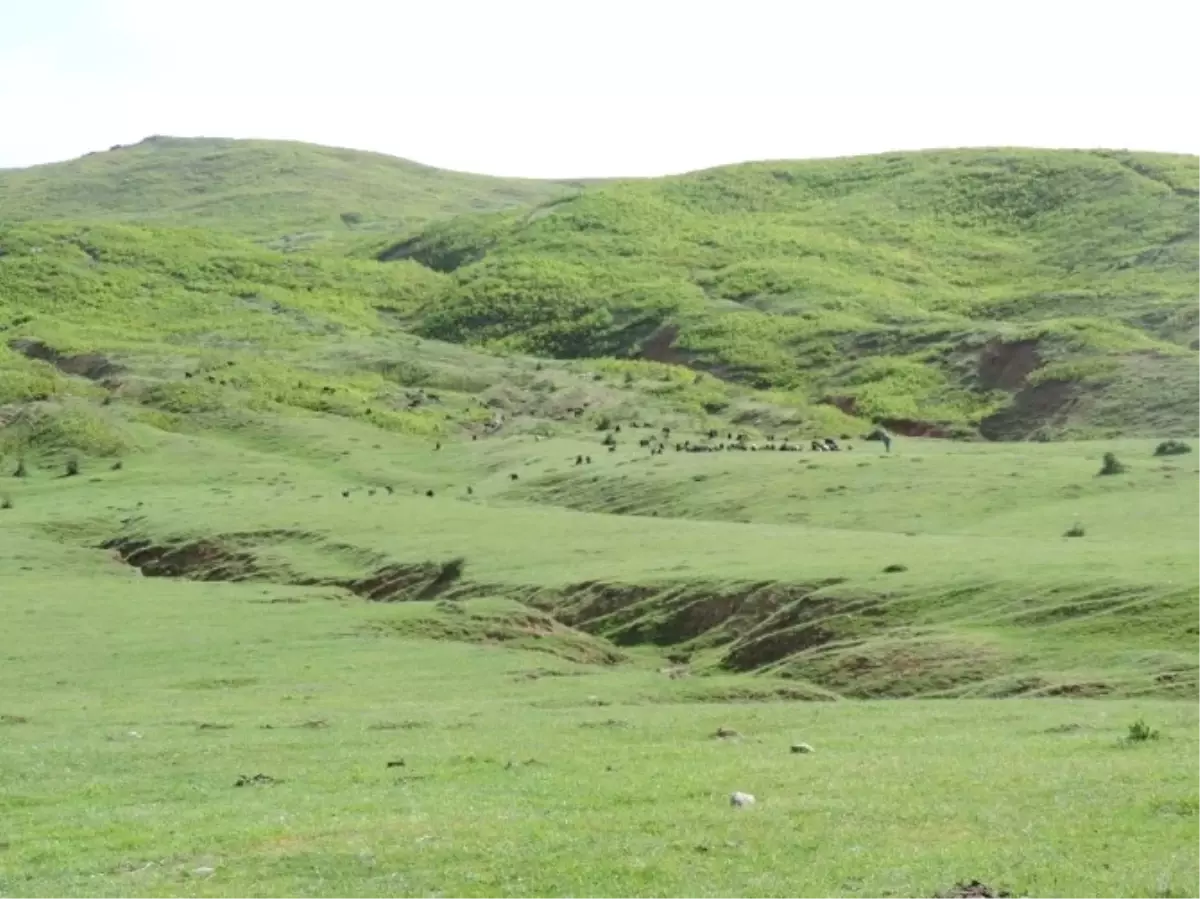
(1015, 292)
(290, 193)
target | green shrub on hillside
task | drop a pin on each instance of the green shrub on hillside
(1172, 448)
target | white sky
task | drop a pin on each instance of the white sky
(599, 87)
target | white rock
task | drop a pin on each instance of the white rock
(203, 872)
(740, 800)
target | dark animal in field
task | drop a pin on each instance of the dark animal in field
(429, 493)
(514, 476)
(579, 460)
(346, 493)
(818, 446)
(587, 459)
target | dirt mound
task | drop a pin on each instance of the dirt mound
(92, 366)
(197, 560)
(974, 888)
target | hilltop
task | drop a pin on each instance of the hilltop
(289, 193)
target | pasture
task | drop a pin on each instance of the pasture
(506, 735)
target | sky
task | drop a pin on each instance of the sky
(577, 88)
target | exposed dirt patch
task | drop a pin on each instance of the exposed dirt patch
(1084, 690)
(1007, 366)
(1047, 404)
(92, 366)
(971, 889)
(394, 583)
(197, 560)
(660, 347)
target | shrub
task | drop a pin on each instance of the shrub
(1112, 465)
(1075, 530)
(72, 467)
(1140, 732)
(6, 502)
(895, 568)
(1172, 448)
(21, 471)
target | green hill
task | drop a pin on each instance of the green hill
(1018, 292)
(380, 597)
(292, 193)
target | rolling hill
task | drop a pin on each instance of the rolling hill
(292, 194)
(1020, 293)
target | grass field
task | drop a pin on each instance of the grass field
(554, 707)
(299, 598)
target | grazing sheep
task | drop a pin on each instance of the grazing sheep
(741, 800)
(587, 460)
(579, 460)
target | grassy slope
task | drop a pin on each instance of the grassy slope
(293, 193)
(930, 286)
